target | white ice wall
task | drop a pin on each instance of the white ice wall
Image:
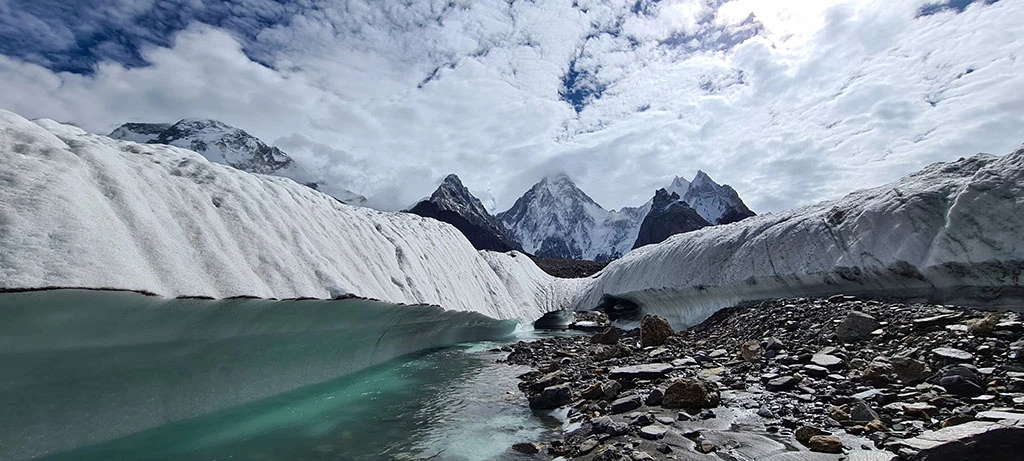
(82, 210)
(950, 232)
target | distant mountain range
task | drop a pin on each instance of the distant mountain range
(556, 219)
(553, 219)
(225, 144)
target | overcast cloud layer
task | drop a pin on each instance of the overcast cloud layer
(789, 101)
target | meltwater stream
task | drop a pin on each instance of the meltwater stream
(454, 403)
(114, 375)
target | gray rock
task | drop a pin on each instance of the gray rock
(625, 404)
(1000, 415)
(910, 371)
(856, 326)
(587, 446)
(828, 361)
(653, 432)
(861, 412)
(654, 398)
(970, 441)
(952, 355)
(642, 371)
(654, 331)
(751, 351)
(782, 383)
(815, 371)
(691, 393)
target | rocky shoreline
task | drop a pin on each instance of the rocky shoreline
(798, 379)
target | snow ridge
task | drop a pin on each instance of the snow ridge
(947, 233)
(82, 210)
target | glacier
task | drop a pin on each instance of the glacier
(948, 233)
(83, 210)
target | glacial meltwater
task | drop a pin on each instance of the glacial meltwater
(115, 375)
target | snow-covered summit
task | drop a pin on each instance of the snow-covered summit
(83, 210)
(453, 203)
(555, 219)
(949, 233)
(227, 145)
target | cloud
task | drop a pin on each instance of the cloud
(790, 102)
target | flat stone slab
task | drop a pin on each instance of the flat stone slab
(1000, 415)
(653, 432)
(827, 361)
(643, 371)
(950, 353)
(965, 441)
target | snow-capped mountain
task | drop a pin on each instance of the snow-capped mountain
(948, 233)
(669, 215)
(454, 204)
(555, 219)
(227, 145)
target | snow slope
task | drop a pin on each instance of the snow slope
(950, 232)
(82, 210)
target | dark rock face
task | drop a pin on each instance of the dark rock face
(608, 336)
(454, 204)
(668, 216)
(551, 398)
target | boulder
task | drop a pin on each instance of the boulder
(654, 331)
(804, 433)
(910, 371)
(691, 393)
(551, 398)
(782, 383)
(751, 351)
(856, 326)
(825, 444)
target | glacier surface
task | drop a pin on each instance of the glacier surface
(950, 232)
(83, 210)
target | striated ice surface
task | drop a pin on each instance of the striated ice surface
(950, 232)
(82, 210)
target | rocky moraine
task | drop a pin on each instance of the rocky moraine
(798, 379)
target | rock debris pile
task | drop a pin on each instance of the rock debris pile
(836, 378)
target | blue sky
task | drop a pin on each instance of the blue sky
(790, 101)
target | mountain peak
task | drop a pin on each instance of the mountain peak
(701, 178)
(454, 204)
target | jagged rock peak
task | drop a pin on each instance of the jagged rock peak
(453, 203)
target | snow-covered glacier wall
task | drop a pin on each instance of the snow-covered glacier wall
(83, 210)
(82, 367)
(951, 232)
